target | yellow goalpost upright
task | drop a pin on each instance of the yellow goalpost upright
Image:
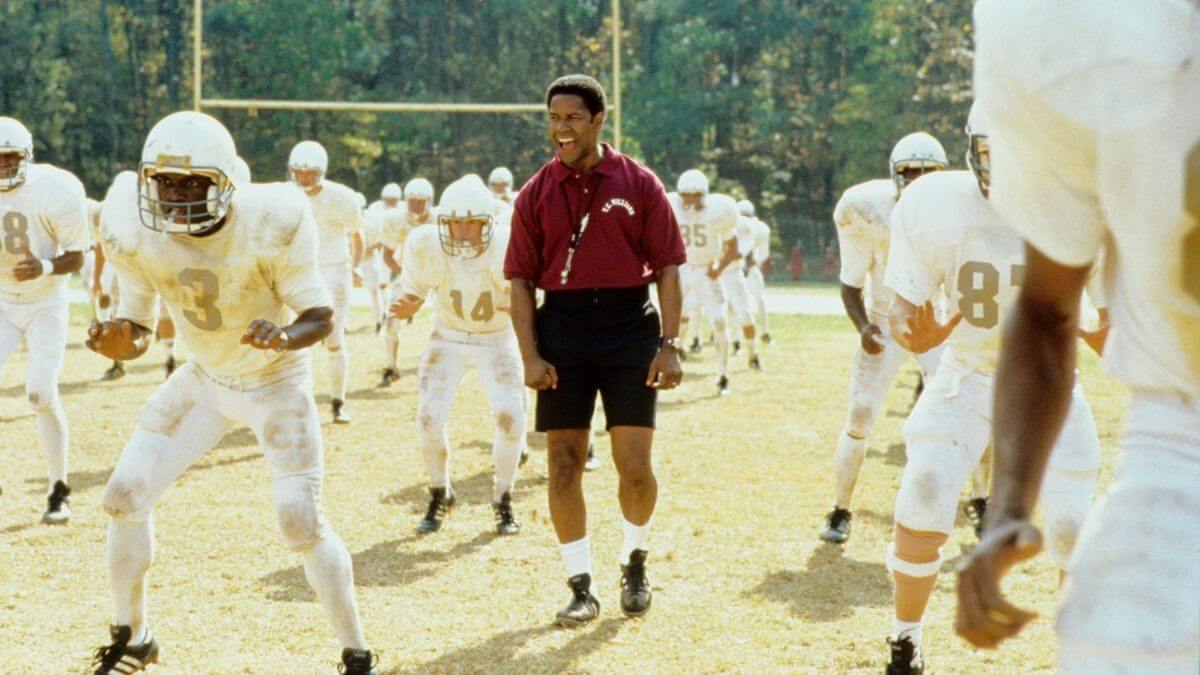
(199, 102)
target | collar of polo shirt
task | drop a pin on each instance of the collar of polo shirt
(604, 168)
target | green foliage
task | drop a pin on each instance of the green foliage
(787, 102)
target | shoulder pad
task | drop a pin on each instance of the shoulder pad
(271, 212)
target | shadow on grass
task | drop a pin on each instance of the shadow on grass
(476, 489)
(895, 454)
(829, 587)
(499, 652)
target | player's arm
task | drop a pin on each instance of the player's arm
(309, 328)
(856, 266)
(126, 337)
(1034, 379)
(729, 253)
(389, 257)
(916, 327)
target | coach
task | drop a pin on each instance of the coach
(593, 228)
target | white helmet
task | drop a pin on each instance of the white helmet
(979, 152)
(419, 188)
(14, 137)
(500, 174)
(189, 143)
(746, 208)
(391, 191)
(308, 155)
(916, 151)
(692, 181)
(241, 171)
(465, 198)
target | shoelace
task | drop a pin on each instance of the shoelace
(436, 508)
(107, 657)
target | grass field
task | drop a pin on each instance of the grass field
(742, 584)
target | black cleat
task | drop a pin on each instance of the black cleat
(906, 658)
(390, 375)
(506, 522)
(766, 338)
(441, 502)
(695, 346)
(340, 416)
(358, 662)
(737, 347)
(116, 372)
(837, 526)
(635, 585)
(170, 365)
(976, 509)
(755, 364)
(58, 510)
(583, 608)
(592, 462)
(524, 457)
(120, 657)
(918, 389)
(378, 327)
(722, 386)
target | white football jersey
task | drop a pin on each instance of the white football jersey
(1097, 142)
(706, 230)
(93, 219)
(863, 218)
(745, 236)
(395, 228)
(472, 294)
(262, 264)
(338, 213)
(46, 214)
(947, 237)
(761, 233)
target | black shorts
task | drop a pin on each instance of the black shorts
(600, 341)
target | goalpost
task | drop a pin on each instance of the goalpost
(199, 102)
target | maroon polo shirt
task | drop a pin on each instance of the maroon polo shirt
(631, 233)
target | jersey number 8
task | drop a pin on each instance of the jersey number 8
(978, 286)
(16, 233)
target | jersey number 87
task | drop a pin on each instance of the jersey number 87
(978, 286)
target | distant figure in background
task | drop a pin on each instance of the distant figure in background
(796, 263)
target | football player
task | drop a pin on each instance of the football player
(418, 210)
(339, 225)
(375, 272)
(43, 225)
(863, 219)
(946, 238)
(1098, 147)
(709, 226)
(501, 180)
(102, 284)
(238, 264)
(759, 256)
(737, 296)
(461, 261)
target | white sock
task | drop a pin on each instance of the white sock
(751, 345)
(52, 432)
(339, 363)
(578, 557)
(910, 628)
(130, 554)
(722, 341)
(850, 454)
(635, 538)
(329, 571)
(392, 342)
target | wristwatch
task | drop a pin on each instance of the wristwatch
(672, 342)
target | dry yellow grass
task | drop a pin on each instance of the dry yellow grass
(742, 583)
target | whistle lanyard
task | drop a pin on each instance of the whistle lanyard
(579, 227)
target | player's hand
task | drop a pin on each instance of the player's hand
(30, 267)
(985, 618)
(713, 272)
(540, 374)
(112, 339)
(404, 309)
(262, 334)
(872, 338)
(665, 371)
(1096, 338)
(924, 331)
(104, 300)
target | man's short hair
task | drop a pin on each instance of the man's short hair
(586, 88)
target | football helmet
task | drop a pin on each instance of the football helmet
(418, 188)
(979, 151)
(194, 144)
(308, 155)
(916, 151)
(391, 192)
(746, 208)
(15, 138)
(241, 171)
(465, 199)
(502, 175)
(692, 181)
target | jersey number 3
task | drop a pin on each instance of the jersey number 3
(16, 233)
(206, 289)
(978, 286)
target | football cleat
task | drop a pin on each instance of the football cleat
(506, 522)
(695, 346)
(378, 327)
(592, 462)
(837, 526)
(723, 386)
(976, 509)
(58, 511)
(116, 372)
(170, 365)
(340, 416)
(524, 457)
(766, 338)
(390, 375)
(358, 662)
(120, 657)
(755, 364)
(906, 658)
(441, 502)
(583, 608)
(737, 347)
(635, 585)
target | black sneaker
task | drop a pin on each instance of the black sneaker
(695, 346)
(116, 372)
(906, 658)
(390, 375)
(976, 509)
(755, 364)
(358, 662)
(584, 606)
(722, 386)
(378, 327)
(837, 526)
(340, 416)
(737, 347)
(58, 510)
(506, 522)
(441, 502)
(766, 338)
(120, 657)
(635, 585)
(593, 462)
(170, 365)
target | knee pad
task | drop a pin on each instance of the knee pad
(127, 495)
(42, 397)
(864, 408)
(912, 544)
(297, 500)
(510, 422)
